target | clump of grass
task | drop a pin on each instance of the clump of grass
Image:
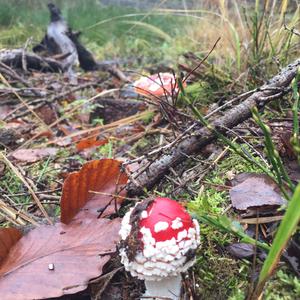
(218, 275)
(115, 28)
(251, 36)
(283, 286)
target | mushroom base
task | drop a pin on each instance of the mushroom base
(169, 288)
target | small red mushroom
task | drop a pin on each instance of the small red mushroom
(157, 85)
(167, 238)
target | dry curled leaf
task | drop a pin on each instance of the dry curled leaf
(254, 190)
(51, 261)
(89, 143)
(33, 155)
(102, 176)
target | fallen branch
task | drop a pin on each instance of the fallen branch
(14, 58)
(153, 170)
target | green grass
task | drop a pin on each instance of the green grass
(118, 30)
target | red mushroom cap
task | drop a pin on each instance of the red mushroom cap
(168, 238)
(156, 85)
(166, 210)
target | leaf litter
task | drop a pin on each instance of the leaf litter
(66, 256)
(91, 200)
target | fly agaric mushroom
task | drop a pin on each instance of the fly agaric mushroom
(158, 242)
(157, 85)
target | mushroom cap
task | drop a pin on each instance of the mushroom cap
(166, 218)
(156, 85)
(168, 239)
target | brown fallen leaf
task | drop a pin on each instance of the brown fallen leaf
(51, 261)
(254, 190)
(47, 113)
(4, 111)
(33, 155)
(95, 176)
(89, 143)
(8, 237)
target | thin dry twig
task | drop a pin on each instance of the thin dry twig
(23, 180)
(16, 216)
(3, 79)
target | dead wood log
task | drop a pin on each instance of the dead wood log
(111, 110)
(153, 170)
(14, 58)
(60, 39)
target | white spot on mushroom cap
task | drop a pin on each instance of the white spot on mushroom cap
(181, 235)
(144, 214)
(161, 226)
(177, 223)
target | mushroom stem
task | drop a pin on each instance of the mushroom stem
(167, 288)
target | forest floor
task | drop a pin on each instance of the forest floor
(50, 127)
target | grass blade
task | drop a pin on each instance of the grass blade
(285, 231)
(150, 28)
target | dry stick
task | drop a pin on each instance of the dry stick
(260, 220)
(17, 216)
(11, 213)
(20, 176)
(3, 79)
(194, 142)
(13, 57)
(13, 74)
(105, 128)
(70, 113)
(202, 61)
(42, 101)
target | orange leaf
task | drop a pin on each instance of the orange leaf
(90, 142)
(95, 176)
(8, 237)
(51, 261)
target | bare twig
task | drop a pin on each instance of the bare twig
(20, 176)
